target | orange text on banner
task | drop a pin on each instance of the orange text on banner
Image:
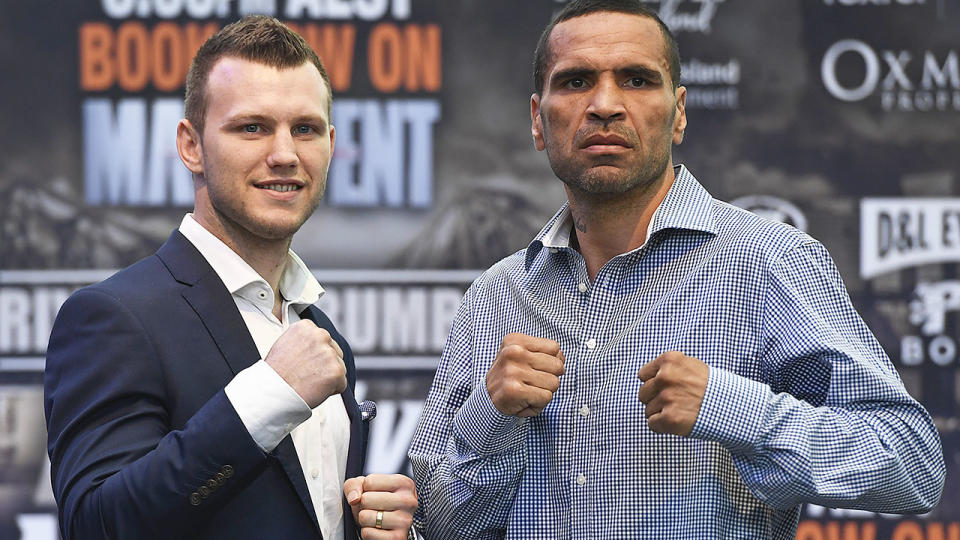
(834, 530)
(408, 56)
(334, 44)
(911, 530)
(133, 56)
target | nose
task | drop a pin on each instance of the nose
(283, 151)
(606, 101)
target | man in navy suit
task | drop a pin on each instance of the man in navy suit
(199, 393)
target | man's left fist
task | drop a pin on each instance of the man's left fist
(673, 389)
(382, 504)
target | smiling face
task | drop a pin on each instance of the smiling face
(260, 165)
(609, 113)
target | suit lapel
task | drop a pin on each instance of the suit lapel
(357, 449)
(207, 295)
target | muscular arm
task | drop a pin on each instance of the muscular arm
(831, 424)
(467, 457)
(118, 468)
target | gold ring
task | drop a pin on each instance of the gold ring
(379, 523)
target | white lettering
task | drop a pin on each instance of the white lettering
(897, 76)
(390, 437)
(113, 150)
(381, 168)
(828, 70)
(368, 10)
(14, 320)
(935, 76)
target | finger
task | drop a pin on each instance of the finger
(336, 347)
(542, 379)
(545, 362)
(650, 389)
(532, 344)
(654, 407)
(388, 501)
(649, 370)
(536, 398)
(388, 482)
(353, 488)
(390, 520)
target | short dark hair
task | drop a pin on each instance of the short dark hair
(579, 8)
(257, 38)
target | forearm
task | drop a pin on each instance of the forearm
(468, 470)
(881, 455)
(165, 493)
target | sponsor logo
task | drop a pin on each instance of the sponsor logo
(929, 308)
(687, 15)
(773, 208)
(903, 80)
(711, 85)
(898, 233)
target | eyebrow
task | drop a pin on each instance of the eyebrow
(634, 70)
(248, 118)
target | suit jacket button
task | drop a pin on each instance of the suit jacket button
(204, 491)
(227, 470)
(220, 478)
(195, 499)
(212, 484)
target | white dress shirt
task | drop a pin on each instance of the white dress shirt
(267, 405)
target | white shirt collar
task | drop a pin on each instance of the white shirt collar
(297, 284)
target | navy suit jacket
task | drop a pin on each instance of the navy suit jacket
(143, 442)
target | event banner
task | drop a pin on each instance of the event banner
(839, 117)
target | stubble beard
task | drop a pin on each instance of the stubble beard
(608, 181)
(239, 220)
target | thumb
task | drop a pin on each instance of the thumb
(353, 487)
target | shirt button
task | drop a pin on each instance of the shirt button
(584, 411)
(581, 479)
(582, 287)
(591, 344)
(554, 250)
(262, 295)
(314, 472)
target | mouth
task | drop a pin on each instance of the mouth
(610, 140)
(605, 143)
(280, 186)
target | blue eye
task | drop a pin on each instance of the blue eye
(251, 128)
(303, 130)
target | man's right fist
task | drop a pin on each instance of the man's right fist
(311, 362)
(525, 374)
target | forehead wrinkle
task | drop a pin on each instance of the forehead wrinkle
(590, 46)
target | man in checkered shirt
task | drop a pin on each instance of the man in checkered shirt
(656, 363)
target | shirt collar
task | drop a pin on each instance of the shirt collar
(687, 205)
(297, 284)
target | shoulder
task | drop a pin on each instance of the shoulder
(742, 231)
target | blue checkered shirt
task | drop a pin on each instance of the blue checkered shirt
(801, 405)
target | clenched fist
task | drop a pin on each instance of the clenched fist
(311, 362)
(673, 389)
(525, 374)
(383, 505)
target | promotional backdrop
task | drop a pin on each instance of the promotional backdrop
(840, 117)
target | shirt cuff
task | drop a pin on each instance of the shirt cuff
(732, 411)
(266, 404)
(485, 429)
